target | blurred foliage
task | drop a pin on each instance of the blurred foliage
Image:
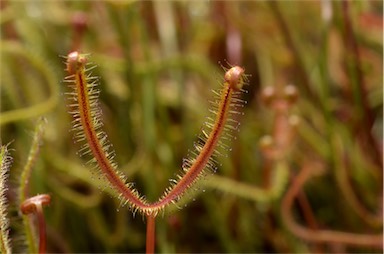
(157, 63)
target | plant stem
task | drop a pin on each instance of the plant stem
(359, 89)
(314, 235)
(150, 243)
(41, 222)
(303, 78)
(5, 163)
(40, 65)
(34, 205)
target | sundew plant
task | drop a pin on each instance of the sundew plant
(191, 126)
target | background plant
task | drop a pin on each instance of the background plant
(155, 63)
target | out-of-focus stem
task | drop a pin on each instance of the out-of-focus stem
(312, 235)
(368, 142)
(287, 34)
(40, 65)
(309, 218)
(343, 180)
(35, 205)
(23, 190)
